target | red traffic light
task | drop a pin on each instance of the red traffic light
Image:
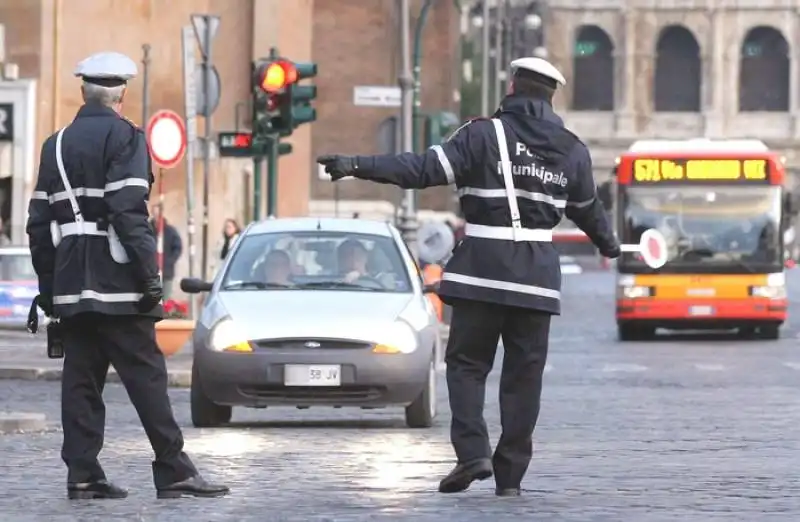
(275, 76)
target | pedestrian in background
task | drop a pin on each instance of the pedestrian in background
(94, 253)
(230, 233)
(518, 174)
(173, 248)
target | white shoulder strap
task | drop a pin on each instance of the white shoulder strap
(508, 178)
(76, 210)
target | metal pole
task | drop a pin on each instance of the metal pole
(417, 67)
(272, 177)
(499, 64)
(485, 60)
(145, 83)
(206, 147)
(408, 219)
(160, 225)
(257, 160)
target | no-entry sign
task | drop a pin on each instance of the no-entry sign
(166, 134)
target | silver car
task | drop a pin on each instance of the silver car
(315, 312)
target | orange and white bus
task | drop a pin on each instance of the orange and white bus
(722, 208)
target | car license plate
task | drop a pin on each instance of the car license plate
(312, 375)
(701, 310)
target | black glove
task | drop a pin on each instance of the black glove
(338, 166)
(612, 251)
(45, 302)
(152, 295)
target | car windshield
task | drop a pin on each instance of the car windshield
(735, 229)
(317, 260)
(16, 267)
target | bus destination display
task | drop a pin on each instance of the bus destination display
(656, 170)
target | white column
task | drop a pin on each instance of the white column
(715, 58)
(625, 52)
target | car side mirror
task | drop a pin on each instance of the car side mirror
(432, 288)
(192, 285)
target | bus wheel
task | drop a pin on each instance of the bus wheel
(769, 331)
(747, 332)
(629, 332)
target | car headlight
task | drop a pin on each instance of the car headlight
(399, 338)
(634, 292)
(226, 337)
(768, 292)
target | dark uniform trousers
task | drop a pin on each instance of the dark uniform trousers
(91, 342)
(475, 330)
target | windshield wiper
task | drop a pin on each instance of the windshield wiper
(259, 285)
(338, 284)
(727, 256)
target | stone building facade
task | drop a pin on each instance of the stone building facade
(672, 69)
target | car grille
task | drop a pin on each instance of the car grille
(311, 344)
(338, 395)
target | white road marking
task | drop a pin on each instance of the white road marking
(792, 365)
(710, 367)
(608, 368)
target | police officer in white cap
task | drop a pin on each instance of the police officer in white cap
(517, 175)
(95, 256)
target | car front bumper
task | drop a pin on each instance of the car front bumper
(256, 379)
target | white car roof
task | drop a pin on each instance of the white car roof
(310, 224)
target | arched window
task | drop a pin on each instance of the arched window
(593, 70)
(764, 71)
(678, 71)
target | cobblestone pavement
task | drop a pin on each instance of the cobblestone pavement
(679, 429)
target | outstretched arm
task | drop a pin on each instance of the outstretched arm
(439, 165)
(586, 209)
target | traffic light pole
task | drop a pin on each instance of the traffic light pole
(272, 177)
(408, 215)
(257, 187)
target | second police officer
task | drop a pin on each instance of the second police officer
(517, 175)
(95, 256)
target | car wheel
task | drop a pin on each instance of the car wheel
(206, 414)
(421, 412)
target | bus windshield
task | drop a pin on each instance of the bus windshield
(707, 228)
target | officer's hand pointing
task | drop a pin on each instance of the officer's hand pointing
(338, 166)
(152, 294)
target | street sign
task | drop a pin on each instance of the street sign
(6, 122)
(652, 247)
(205, 29)
(166, 135)
(376, 96)
(214, 86)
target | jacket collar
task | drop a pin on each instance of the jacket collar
(94, 110)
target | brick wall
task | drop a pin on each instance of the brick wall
(357, 43)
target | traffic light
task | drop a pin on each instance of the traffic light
(271, 79)
(300, 97)
(439, 126)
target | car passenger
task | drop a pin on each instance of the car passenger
(353, 257)
(278, 268)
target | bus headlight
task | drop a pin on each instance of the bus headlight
(634, 292)
(768, 292)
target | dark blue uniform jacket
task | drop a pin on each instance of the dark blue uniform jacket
(552, 177)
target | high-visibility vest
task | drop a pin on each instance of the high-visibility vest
(431, 274)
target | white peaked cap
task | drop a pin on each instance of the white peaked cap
(540, 66)
(107, 65)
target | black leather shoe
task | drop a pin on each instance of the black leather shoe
(465, 474)
(507, 492)
(195, 486)
(92, 490)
